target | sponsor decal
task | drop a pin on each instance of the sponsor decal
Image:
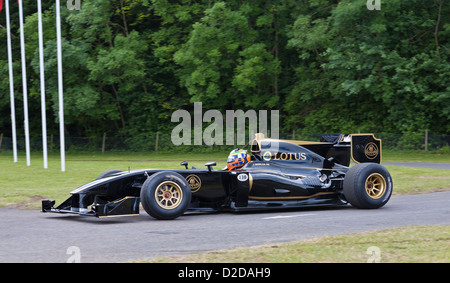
(242, 177)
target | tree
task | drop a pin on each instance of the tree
(327, 65)
(381, 65)
(223, 64)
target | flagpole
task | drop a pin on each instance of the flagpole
(11, 83)
(42, 73)
(24, 83)
(60, 87)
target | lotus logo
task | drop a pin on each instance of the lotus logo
(194, 182)
(371, 150)
(267, 155)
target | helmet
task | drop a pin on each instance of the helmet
(237, 158)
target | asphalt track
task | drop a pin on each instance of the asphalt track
(32, 236)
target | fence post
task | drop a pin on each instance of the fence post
(156, 142)
(1, 141)
(104, 143)
(426, 139)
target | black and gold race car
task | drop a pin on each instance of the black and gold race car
(281, 174)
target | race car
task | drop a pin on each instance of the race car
(278, 174)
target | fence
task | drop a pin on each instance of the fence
(162, 143)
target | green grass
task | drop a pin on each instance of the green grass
(428, 244)
(144, 156)
(412, 180)
(415, 156)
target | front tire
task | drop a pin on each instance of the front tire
(368, 185)
(165, 195)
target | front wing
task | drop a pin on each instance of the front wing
(121, 207)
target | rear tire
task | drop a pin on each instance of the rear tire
(368, 185)
(165, 195)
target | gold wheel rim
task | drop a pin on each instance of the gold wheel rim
(168, 195)
(375, 186)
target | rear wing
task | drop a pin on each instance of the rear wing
(365, 148)
(361, 148)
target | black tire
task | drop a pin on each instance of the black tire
(108, 173)
(165, 195)
(368, 185)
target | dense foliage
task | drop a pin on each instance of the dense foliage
(328, 66)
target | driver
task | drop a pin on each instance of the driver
(237, 159)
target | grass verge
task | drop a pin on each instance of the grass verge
(424, 244)
(412, 180)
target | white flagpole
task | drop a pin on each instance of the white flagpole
(42, 73)
(24, 82)
(11, 82)
(60, 87)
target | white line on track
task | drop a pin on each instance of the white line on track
(288, 216)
